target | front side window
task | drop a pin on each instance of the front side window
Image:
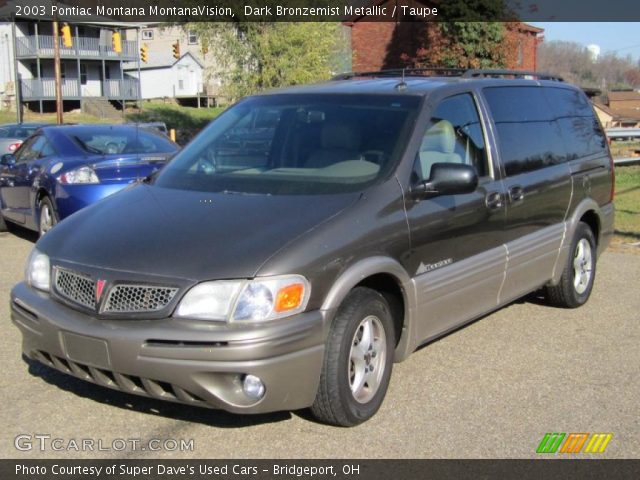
(454, 135)
(27, 151)
(296, 144)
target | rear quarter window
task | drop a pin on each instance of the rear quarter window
(579, 126)
(538, 127)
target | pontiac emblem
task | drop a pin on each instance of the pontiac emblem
(99, 289)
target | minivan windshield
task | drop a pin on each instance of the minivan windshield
(296, 144)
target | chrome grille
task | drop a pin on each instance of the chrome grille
(75, 287)
(138, 298)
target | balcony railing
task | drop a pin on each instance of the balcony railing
(45, 89)
(83, 47)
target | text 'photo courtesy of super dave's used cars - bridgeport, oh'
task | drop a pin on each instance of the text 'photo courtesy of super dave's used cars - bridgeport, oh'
(310, 237)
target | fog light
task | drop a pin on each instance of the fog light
(253, 387)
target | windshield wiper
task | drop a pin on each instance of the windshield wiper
(231, 192)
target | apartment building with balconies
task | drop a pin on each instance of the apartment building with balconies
(91, 67)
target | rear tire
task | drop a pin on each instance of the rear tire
(358, 360)
(579, 272)
(47, 218)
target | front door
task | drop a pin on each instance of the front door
(17, 179)
(457, 256)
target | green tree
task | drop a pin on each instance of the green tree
(254, 56)
(466, 39)
(473, 44)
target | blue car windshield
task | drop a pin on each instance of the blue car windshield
(296, 144)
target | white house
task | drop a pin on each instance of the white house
(164, 76)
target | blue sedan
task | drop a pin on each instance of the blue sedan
(61, 169)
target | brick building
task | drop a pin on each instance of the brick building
(383, 45)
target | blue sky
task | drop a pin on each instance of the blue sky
(622, 38)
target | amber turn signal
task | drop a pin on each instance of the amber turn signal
(289, 297)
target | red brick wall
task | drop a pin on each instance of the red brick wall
(369, 42)
(380, 45)
(524, 48)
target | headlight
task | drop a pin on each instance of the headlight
(38, 271)
(209, 300)
(241, 300)
(82, 175)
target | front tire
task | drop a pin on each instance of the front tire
(579, 272)
(47, 218)
(358, 360)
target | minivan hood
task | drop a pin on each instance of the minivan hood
(185, 234)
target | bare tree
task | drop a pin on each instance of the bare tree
(577, 65)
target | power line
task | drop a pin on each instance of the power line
(624, 48)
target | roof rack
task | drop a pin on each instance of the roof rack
(495, 73)
(407, 72)
(450, 72)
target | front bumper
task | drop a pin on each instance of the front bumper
(193, 362)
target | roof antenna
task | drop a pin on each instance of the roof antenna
(402, 86)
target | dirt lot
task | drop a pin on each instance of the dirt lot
(492, 389)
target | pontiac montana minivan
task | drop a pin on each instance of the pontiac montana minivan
(311, 237)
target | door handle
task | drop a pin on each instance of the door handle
(493, 200)
(516, 193)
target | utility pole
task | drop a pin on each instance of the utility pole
(139, 87)
(16, 74)
(56, 68)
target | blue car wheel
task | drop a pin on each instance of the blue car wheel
(47, 218)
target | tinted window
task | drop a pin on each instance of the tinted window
(538, 127)
(578, 125)
(528, 135)
(296, 144)
(454, 135)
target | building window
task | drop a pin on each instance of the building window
(147, 34)
(83, 73)
(107, 72)
(192, 38)
(520, 53)
(63, 70)
(180, 84)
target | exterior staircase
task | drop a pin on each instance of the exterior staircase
(100, 107)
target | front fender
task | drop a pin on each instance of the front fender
(368, 267)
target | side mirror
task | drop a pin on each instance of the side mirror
(447, 179)
(8, 159)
